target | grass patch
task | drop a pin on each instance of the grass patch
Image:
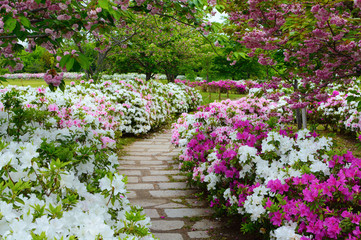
(343, 141)
(123, 141)
(31, 82)
(193, 219)
(211, 97)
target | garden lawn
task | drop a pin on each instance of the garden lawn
(30, 82)
(215, 97)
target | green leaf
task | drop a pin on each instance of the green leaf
(10, 25)
(116, 14)
(64, 60)
(83, 61)
(104, 4)
(350, 98)
(69, 64)
(52, 88)
(220, 8)
(25, 21)
(2, 79)
(62, 86)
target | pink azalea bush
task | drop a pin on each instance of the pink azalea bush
(289, 185)
(189, 83)
(337, 111)
(216, 86)
(227, 85)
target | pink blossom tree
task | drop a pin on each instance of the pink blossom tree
(48, 23)
(320, 41)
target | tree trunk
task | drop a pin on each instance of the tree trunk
(298, 118)
(148, 76)
(298, 111)
(170, 77)
(268, 73)
(210, 93)
(304, 118)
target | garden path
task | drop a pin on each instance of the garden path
(155, 183)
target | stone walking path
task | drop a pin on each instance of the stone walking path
(155, 183)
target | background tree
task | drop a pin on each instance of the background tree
(161, 46)
(318, 52)
(48, 23)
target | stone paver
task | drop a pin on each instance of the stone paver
(205, 224)
(133, 179)
(152, 213)
(150, 166)
(165, 225)
(140, 186)
(187, 212)
(155, 179)
(130, 172)
(165, 172)
(170, 193)
(172, 185)
(198, 234)
(168, 236)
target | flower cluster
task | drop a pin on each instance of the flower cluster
(51, 77)
(337, 111)
(216, 86)
(292, 185)
(129, 106)
(190, 83)
(227, 85)
(58, 165)
(66, 75)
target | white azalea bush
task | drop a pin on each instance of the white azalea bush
(67, 75)
(341, 110)
(128, 106)
(61, 184)
(58, 166)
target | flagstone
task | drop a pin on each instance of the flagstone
(155, 179)
(198, 234)
(140, 186)
(130, 172)
(168, 236)
(205, 224)
(187, 212)
(172, 185)
(152, 213)
(166, 225)
(150, 166)
(170, 193)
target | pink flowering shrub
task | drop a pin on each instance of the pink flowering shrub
(216, 86)
(53, 78)
(189, 83)
(292, 185)
(227, 85)
(337, 112)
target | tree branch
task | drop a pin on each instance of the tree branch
(31, 36)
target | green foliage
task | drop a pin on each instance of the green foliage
(37, 61)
